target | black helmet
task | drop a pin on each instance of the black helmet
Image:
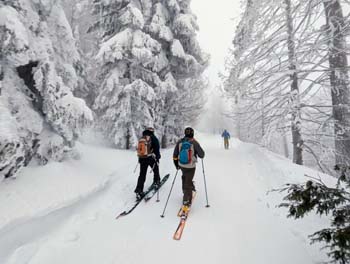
(146, 133)
(189, 132)
(149, 131)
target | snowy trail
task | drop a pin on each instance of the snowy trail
(239, 227)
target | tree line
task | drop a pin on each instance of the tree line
(288, 74)
(116, 66)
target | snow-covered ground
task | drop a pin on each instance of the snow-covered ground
(65, 212)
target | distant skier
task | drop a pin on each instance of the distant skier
(149, 155)
(226, 136)
(185, 158)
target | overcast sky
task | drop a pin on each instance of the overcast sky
(217, 20)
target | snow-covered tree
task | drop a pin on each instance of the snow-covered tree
(261, 78)
(193, 98)
(39, 114)
(149, 48)
(279, 74)
(339, 78)
(79, 16)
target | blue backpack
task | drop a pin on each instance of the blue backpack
(185, 156)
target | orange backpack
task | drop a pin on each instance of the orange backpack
(144, 149)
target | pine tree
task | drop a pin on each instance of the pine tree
(78, 13)
(148, 46)
(316, 196)
(41, 117)
(125, 56)
(187, 62)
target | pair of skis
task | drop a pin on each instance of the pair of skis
(183, 218)
(150, 192)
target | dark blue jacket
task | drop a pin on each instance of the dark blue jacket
(226, 134)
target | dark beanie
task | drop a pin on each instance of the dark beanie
(189, 132)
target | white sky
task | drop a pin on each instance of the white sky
(217, 20)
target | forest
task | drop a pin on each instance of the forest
(114, 66)
(288, 76)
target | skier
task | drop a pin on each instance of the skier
(226, 136)
(149, 155)
(185, 157)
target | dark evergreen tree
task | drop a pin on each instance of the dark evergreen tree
(314, 195)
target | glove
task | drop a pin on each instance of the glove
(176, 163)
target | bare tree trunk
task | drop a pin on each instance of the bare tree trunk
(127, 137)
(285, 146)
(238, 122)
(262, 115)
(295, 100)
(339, 79)
(164, 138)
(1, 74)
(164, 141)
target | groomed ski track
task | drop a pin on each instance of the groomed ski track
(241, 226)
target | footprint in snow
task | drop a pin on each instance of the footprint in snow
(298, 235)
(93, 217)
(72, 237)
(23, 254)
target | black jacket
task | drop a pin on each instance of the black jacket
(155, 143)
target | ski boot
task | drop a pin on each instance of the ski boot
(156, 184)
(139, 195)
(185, 208)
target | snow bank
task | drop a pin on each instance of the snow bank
(40, 190)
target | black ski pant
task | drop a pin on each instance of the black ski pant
(187, 184)
(144, 163)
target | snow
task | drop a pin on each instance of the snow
(159, 21)
(7, 128)
(161, 62)
(177, 50)
(174, 6)
(65, 212)
(185, 24)
(166, 34)
(132, 16)
(141, 45)
(113, 48)
(9, 19)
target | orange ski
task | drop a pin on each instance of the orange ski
(183, 214)
(179, 230)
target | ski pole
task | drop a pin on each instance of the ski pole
(205, 185)
(136, 167)
(158, 186)
(158, 196)
(156, 163)
(172, 185)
